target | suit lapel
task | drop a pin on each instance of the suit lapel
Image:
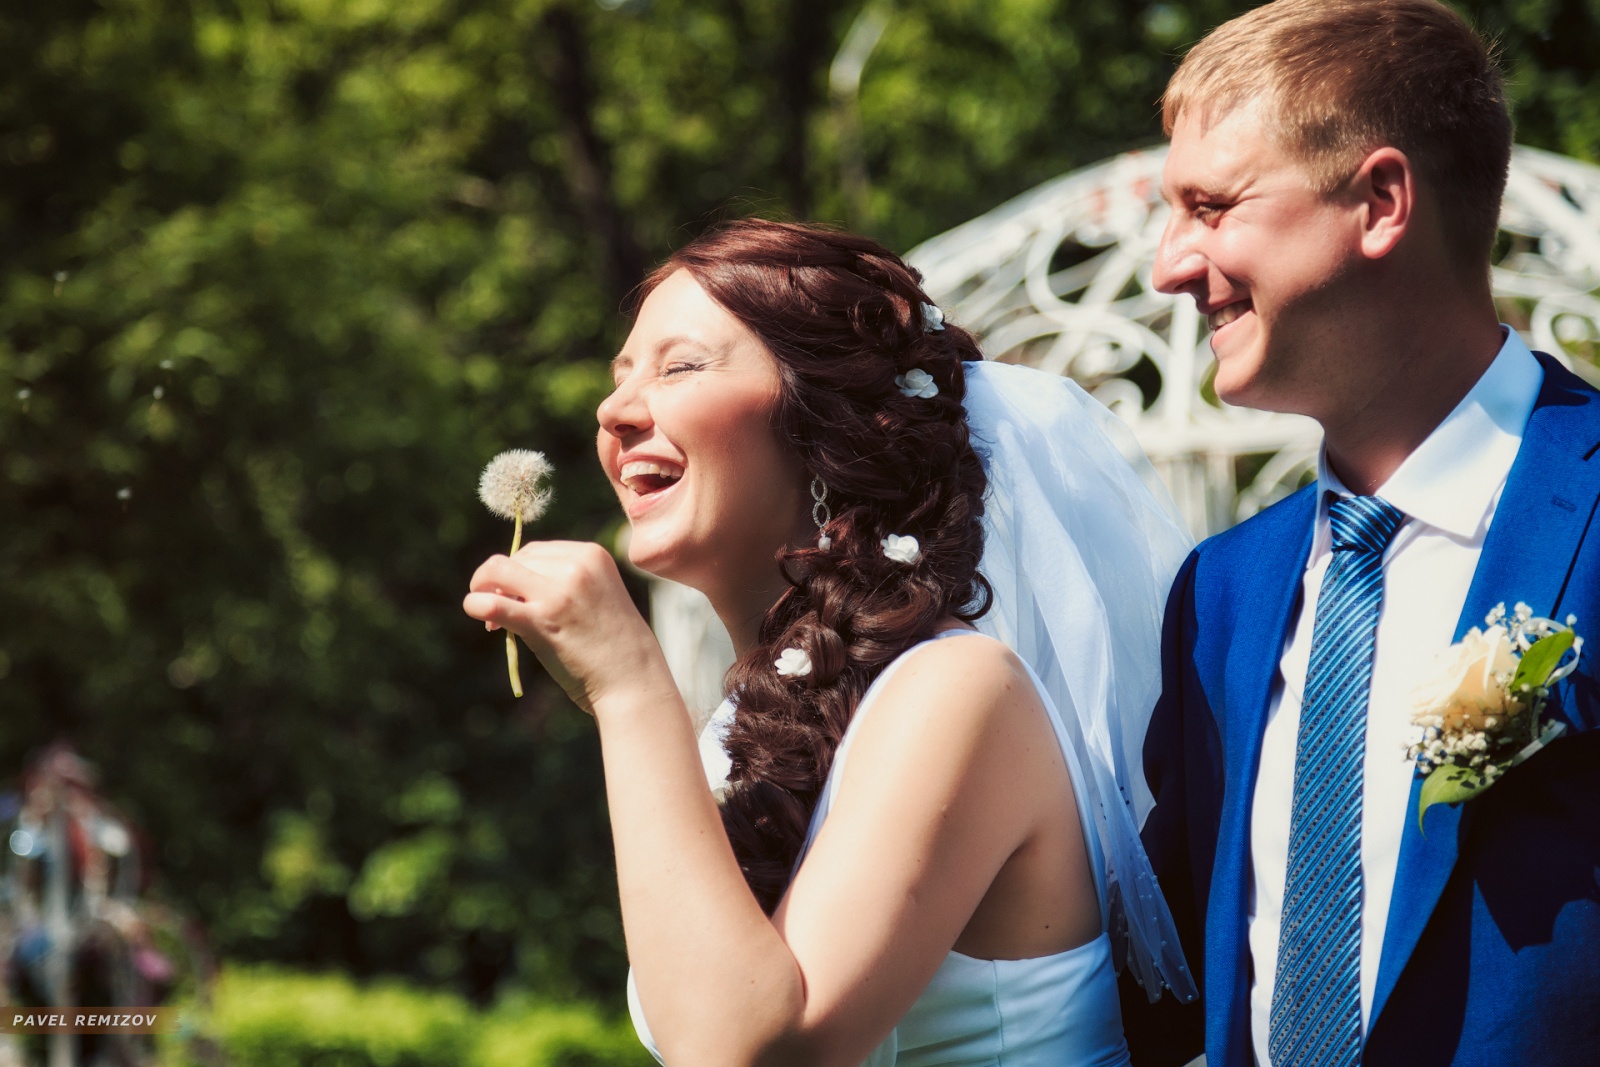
(1273, 562)
(1528, 555)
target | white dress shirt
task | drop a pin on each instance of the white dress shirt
(1448, 489)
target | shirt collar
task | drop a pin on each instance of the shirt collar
(1453, 479)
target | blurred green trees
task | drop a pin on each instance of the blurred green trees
(278, 276)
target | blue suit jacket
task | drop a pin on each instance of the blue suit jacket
(1492, 950)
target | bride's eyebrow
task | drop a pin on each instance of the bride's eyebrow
(669, 343)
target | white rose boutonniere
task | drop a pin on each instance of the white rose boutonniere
(1479, 715)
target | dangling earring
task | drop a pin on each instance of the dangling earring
(821, 514)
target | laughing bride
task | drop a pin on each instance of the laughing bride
(916, 842)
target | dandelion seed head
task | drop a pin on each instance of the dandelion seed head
(512, 483)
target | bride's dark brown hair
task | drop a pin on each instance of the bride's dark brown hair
(842, 316)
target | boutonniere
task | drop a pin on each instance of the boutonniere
(1480, 714)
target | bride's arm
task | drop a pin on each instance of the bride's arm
(944, 784)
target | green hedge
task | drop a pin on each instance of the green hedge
(519, 1034)
(264, 1017)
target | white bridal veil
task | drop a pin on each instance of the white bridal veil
(1081, 546)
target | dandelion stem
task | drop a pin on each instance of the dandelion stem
(511, 487)
(511, 641)
(511, 665)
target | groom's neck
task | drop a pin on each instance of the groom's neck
(1418, 355)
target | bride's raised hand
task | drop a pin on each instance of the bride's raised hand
(567, 602)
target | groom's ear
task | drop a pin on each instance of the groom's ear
(1385, 188)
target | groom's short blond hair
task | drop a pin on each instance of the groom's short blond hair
(1339, 78)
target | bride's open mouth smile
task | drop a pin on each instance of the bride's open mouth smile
(648, 482)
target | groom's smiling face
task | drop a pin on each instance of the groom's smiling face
(1263, 252)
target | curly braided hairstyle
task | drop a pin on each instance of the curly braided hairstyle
(842, 316)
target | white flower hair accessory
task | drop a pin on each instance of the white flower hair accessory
(932, 318)
(902, 548)
(793, 663)
(917, 383)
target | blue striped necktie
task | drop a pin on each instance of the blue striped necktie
(1316, 998)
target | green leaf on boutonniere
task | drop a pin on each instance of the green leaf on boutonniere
(1448, 785)
(1541, 658)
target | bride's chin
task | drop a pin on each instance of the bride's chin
(653, 558)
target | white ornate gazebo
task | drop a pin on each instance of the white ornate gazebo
(1059, 278)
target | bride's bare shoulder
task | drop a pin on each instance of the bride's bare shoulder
(957, 689)
(962, 649)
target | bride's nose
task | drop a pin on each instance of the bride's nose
(624, 413)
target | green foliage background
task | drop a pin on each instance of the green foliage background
(278, 276)
(266, 1017)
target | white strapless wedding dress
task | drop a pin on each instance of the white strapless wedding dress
(1051, 1011)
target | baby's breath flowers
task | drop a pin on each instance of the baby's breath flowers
(513, 488)
(1479, 716)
